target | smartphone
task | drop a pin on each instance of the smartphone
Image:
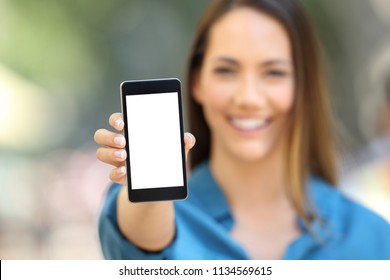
(153, 117)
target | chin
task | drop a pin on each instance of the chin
(252, 154)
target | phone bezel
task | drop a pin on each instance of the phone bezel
(138, 87)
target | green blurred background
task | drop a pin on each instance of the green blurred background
(61, 63)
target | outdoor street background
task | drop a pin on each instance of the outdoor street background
(61, 64)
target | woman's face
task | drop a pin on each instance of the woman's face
(246, 85)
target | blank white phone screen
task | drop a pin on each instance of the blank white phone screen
(154, 140)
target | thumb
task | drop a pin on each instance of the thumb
(189, 142)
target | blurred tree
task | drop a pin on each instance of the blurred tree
(83, 50)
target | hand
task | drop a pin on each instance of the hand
(113, 148)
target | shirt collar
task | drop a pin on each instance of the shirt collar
(324, 228)
(320, 196)
(325, 202)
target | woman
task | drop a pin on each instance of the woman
(263, 168)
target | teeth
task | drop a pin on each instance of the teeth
(249, 124)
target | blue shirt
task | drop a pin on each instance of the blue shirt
(346, 229)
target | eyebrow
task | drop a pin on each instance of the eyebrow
(265, 63)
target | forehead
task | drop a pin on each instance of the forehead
(245, 32)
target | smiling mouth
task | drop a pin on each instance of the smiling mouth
(249, 124)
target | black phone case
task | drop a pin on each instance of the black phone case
(137, 87)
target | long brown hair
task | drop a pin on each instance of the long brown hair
(311, 144)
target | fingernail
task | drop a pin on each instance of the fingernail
(191, 137)
(120, 140)
(119, 123)
(121, 170)
(120, 154)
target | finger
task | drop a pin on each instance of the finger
(115, 157)
(118, 175)
(116, 121)
(110, 139)
(189, 142)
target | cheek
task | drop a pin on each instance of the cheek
(283, 98)
(216, 95)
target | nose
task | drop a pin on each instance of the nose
(249, 93)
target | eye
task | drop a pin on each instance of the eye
(277, 73)
(224, 71)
